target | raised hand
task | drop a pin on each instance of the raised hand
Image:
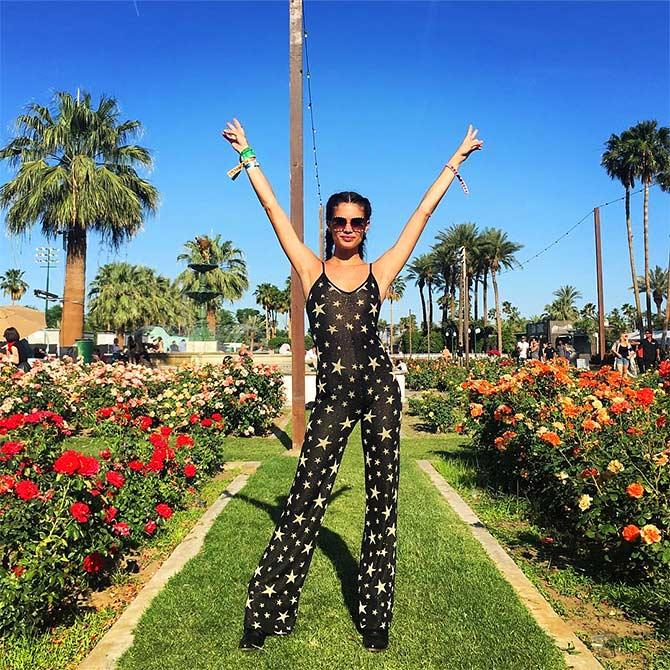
(469, 144)
(234, 133)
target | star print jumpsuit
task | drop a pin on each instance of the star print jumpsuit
(354, 382)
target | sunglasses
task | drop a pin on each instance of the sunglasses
(357, 223)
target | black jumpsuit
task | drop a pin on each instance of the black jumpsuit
(354, 382)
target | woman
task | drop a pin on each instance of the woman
(354, 381)
(17, 351)
(535, 352)
(622, 351)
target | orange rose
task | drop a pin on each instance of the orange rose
(476, 409)
(630, 533)
(551, 438)
(635, 490)
(590, 424)
(650, 534)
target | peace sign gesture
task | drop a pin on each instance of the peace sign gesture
(234, 133)
(469, 144)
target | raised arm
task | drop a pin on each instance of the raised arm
(302, 258)
(391, 262)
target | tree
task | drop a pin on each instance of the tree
(13, 284)
(393, 294)
(76, 172)
(617, 162)
(658, 283)
(498, 252)
(264, 295)
(228, 280)
(125, 297)
(563, 307)
(650, 159)
(421, 270)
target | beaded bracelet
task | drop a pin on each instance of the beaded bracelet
(460, 179)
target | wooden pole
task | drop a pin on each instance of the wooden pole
(466, 309)
(599, 280)
(296, 170)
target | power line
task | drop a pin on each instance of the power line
(310, 106)
(569, 230)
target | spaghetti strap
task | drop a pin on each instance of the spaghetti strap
(323, 267)
(370, 268)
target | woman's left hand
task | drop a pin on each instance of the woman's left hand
(469, 144)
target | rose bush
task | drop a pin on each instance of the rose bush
(591, 452)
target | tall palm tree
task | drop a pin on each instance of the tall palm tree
(658, 283)
(13, 284)
(499, 253)
(445, 267)
(650, 158)
(229, 279)
(421, 271)
(248, 327)
(76, 172)
(263, 295)
(394, 293)
(589, 311)
(617, 162)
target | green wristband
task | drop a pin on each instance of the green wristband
(246, 153)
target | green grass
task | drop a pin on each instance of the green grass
(452, 608)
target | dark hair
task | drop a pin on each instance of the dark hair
(11, 335)
(337, 199)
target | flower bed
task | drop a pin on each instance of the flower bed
(591, 452)
(67, 518)
(247, 396)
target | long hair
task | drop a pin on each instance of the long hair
(334, 201)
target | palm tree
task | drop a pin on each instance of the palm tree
(76, 172)
(658, 283)
(445, 267)
(650, 158)
(248, 327)
(13, 284)
(617, 162)
(499, 253)
(229, 279)
(263, 295)
(125, 297)
(421, 270)
(393, 294)
(589, 311)
(563, 307)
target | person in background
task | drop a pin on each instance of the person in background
(401, 366)
(182, 345)
(174, 347)
(446, 355)
(549, 352)
(535, 350)
(285, 349)
(244, 352)
(621, 350)
(522, 347)
(17, 351)
(159, 345)
(311, 357)
(651, 352)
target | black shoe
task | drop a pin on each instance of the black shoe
(375, 640)
(252, 639)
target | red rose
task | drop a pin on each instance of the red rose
(110, 514)
(115, 479)
(88, 466)
(165, 431)
(121, 528)
(18, 570)
(6, 483)
(26, 490)
(105, 412)
(150, 527)
(645, 396)
(11, 449)
(217, 417)
(164, 510)
(136, 465)
(184, 441)
(155, 465)
(194, 418)
(145, 422)
(630, 533)
(158, 440)
(93, 562)
(206, 423)
(189, 470)
(105, 454)
(80, 511)
(68, 462)
(660, 422)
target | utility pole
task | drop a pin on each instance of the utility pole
(46, 257)
(466, 308)
(296, 170)
(599, 280)
(410, 332)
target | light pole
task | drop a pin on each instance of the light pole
(46, 257)
(477, 331)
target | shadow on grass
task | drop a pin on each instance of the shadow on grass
(331, 544)
(282, 436)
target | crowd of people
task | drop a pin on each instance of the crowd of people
(536, 349)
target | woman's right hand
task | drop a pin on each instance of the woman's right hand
(234, 133)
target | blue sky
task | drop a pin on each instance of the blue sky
(395, 85)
